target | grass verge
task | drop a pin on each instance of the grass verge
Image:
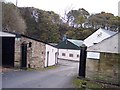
(82, 83)
(42, 69)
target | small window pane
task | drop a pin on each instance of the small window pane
(70, 55)
(63, 54)
(30, 44)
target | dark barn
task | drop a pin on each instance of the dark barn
(8, 45)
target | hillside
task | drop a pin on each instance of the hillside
(49, 27)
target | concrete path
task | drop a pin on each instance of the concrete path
(60, 77)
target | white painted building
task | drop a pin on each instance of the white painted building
(95, 38)
(69, 49)
(108, 45)
(5, 34)
(51, 55)
(69, 54)
(98, 36)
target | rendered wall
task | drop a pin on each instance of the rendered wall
(52, 57)
(67, 53)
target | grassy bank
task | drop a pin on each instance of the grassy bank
(87, 84)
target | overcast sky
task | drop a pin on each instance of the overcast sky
(59, 6)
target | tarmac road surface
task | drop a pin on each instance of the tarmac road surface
(60, 77)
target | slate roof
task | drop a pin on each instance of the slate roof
(70, 44)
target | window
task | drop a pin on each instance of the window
(70, 55)
(94, 43)
(78, 56)
(63, 54)
(30, 44)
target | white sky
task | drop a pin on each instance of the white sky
(59, 6)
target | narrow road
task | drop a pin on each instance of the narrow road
(60, 77)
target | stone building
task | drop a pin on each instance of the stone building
(108, 67)
(29, 52)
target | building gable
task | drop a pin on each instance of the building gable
(98, 36)
(67, 45)
(110, 45)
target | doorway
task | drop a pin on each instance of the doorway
(8, 44)
(47, 59)
(23, 55)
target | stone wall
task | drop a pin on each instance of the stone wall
(35, 53)
(106, 69)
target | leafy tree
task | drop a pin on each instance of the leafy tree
(41, 24)
(12, 19)
(77, 17)
(103, 20)
(48, 26)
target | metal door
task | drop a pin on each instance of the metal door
(24, 56)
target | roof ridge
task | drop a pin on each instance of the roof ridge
(105, 39)
(75, 42)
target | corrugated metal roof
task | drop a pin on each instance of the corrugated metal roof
(4, 34)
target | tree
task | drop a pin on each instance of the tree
(12, 19)
(103, 20)
(43, 25)
(80, 20)
(77, 17)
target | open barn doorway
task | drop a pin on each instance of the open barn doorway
(8, 44)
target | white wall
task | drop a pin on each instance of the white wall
(97, 37)
(67, 52)
(93, 55)
(52, 58)
(110, 45)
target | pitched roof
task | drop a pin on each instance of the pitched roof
(70, 44)
(110, 44)
(76, 42)
(98, 36)
(32, 38)
(5, 34)
(108, 31)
